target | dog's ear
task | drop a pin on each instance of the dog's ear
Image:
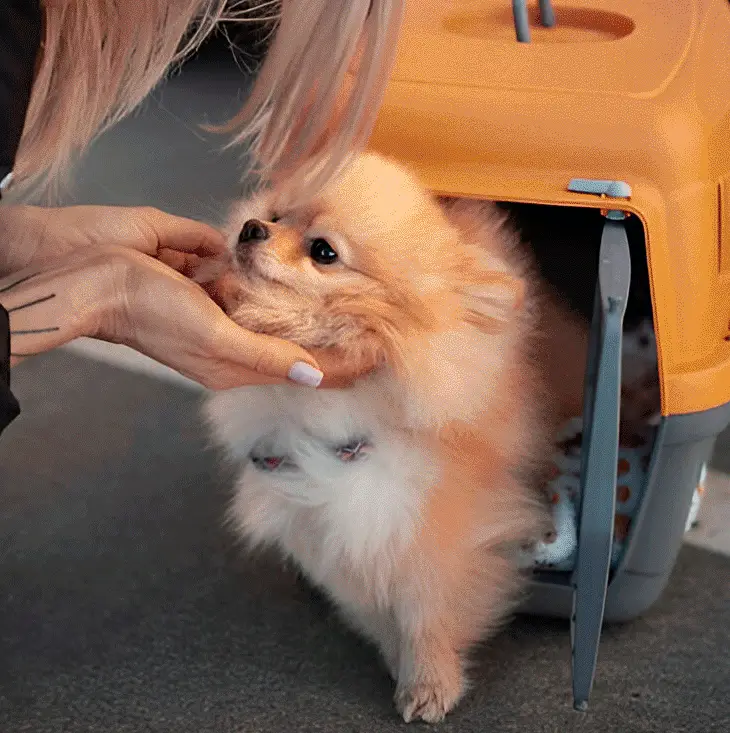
(490, 298)
(493, 302)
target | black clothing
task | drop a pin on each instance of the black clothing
(21, 26)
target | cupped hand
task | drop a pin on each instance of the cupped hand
(92, 271)
(127, 297)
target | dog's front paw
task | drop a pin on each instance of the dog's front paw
(429, 699)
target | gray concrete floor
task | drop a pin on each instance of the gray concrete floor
(126, 608)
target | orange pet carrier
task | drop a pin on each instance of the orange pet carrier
(622, 106)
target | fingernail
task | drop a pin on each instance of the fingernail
(303, 373)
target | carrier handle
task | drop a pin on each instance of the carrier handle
(599, 456)
(522, 22)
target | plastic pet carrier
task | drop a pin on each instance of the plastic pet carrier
(621, 107)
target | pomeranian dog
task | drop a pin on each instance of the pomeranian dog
(407, 496)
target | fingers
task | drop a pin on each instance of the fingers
(138, 301)
(205, 271)
(185, 235)
(185, 263)
(223, 291)
(118, 293)
(266, 355)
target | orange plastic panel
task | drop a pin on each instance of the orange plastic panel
(630, 90)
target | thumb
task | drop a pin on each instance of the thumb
(267, 355)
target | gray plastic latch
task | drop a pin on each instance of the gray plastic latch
(612, 189)
(599, 456)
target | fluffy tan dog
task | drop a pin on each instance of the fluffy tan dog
(406, 495)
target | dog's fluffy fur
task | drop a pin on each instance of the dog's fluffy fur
(414, 542)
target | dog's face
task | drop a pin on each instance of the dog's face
(369, 266)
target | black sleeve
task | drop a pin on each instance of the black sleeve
(20, 35)
(9, 408)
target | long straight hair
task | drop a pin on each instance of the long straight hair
(100, 58)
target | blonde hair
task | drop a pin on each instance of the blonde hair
(101, 58)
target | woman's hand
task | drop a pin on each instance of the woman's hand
(91, 271)
(127, 297)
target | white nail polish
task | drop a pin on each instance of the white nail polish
(302, 373)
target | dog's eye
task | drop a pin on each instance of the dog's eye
(275, 218)
(321, 252)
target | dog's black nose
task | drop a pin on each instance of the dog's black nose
(253, 231)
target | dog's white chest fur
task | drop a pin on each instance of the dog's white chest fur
(329, 514)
